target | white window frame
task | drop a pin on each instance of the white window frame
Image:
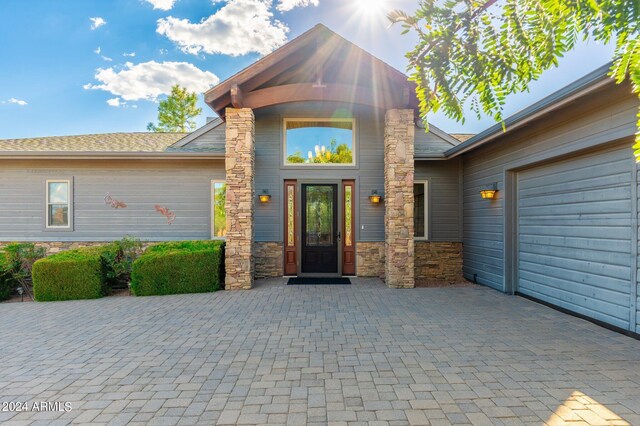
(213, 209)
(68, 226)
(354, 159)
(425, 183)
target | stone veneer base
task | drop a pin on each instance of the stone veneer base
(438, 262)
(268, 259)
(370, 259)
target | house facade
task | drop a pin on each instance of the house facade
(318, 165)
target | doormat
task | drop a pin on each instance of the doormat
(318, 281)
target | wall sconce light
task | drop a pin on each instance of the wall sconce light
(375, 198)
(489, 193)
(264, 197)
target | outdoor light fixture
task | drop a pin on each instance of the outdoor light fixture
(375, 198)
(21, 293)
(489, 193)
(264, 197)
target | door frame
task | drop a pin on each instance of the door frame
(298, 221)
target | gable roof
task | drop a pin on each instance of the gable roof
(106, 142)
(319, 65)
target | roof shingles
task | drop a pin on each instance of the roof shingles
(107, 142)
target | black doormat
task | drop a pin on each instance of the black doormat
(318, 281)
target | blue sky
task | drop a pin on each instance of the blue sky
(63, 73)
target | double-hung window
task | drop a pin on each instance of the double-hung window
(421, 210)
(58, 204)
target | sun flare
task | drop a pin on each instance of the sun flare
(372, 7)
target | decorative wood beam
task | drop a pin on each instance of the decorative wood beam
(329, 92)
(236, 96)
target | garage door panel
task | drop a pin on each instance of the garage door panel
(574, 234)
(599, 310)
(604, 244)
(559, 255)
(579, 197)
(616, 233)
(610, 302)
(550, 184)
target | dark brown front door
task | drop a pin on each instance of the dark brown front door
(320, 233)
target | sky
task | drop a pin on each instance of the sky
(98, 66)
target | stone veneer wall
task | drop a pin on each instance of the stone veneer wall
(370, 259)
(240, 201)
(398, 198)
(269, 259)
(438, 262)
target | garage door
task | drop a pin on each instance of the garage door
(574, 234)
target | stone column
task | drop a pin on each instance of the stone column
(239, 205)
(398, 198)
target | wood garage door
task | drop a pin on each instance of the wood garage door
(574, 234)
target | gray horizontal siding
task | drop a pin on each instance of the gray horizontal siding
(574, 234)
(605, 116)
(445, 201)
(179, 186)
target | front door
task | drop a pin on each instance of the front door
(320, 232)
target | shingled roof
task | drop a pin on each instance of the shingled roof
(106, 142)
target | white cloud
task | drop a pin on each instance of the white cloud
(287, 5)
(163, 51)
(15, 101)
(238, 28)
(148, 80)
(115, 102)
(98, 51)
(97, 22)
(131, 55)
(162, 4)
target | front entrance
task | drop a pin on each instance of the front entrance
(320, 233)
(319, 228)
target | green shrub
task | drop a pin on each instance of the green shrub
(7, 283)
(120, 261)
(71, 275)
(20, 258)
(179, 267)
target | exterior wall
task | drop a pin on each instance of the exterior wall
(53, 247)
(604, 116)
(370, 259)
(269, 262)
(438, 262)
(445, 197)
(182, 186)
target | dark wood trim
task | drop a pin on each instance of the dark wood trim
(349, 252)
(236, 96)
(290, 252)
(302, 92)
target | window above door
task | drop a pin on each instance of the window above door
(319, 142)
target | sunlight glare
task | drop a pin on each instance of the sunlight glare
(370, 8)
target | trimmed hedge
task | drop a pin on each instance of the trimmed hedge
(179, 267)
(71, 275)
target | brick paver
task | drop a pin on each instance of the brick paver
(359, 354)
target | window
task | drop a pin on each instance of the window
(58, 209)
(421, 210)
(320, 141)
(218, 213)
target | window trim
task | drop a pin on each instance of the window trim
(69, 226)
(427, 203)
(354, 138)
(213, 210)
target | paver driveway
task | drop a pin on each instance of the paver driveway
(316, 354)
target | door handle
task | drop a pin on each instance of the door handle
(339, 235)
